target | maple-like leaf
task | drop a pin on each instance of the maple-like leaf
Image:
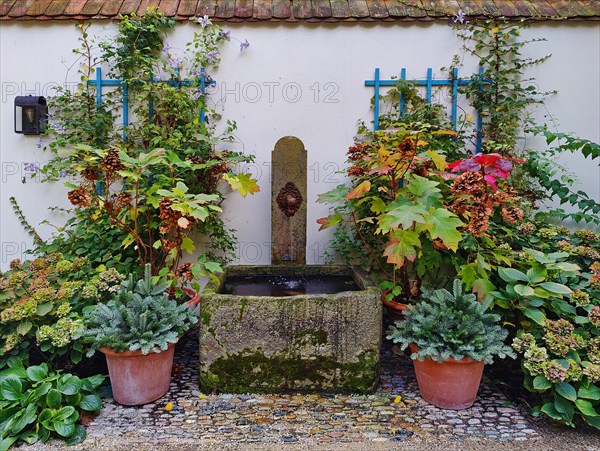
(359, 191)
(243, 183)
(378, 206)
(403, 215)
(402, 247)
(380, 170)
(425, 190)
(336, 195)
(438, 159)
(329, 221)
(444, 225)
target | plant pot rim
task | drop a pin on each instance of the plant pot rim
(111, 352)
(449, 361)
(392, 304)
(194, 297)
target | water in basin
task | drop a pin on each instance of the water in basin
(288, 285)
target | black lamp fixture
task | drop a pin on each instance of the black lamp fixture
(31, 115)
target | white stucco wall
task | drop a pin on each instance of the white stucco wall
(300, 80)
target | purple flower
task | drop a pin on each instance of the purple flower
(460, 17)
(31, 167)
(225, 34)
(174, 63)
(166, 48)
(64, 173)
(56, 126)
(213, 56)
(204, 21)
(244, 45)
(40, 141)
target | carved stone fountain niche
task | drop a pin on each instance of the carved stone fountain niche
(290, 326)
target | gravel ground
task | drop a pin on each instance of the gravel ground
(393, 418)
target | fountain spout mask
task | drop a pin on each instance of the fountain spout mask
(289, 199)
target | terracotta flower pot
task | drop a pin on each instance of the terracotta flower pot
(452, 384)
(138, 379)
(395, 310)
(194, 297)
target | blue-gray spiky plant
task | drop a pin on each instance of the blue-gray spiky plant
(444, 324)
(139, 317)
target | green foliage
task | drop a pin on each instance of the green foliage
(409, 207)
(41, 305)
(139, 41)
(397, 214)
(36, 404)
(500, 93)
(559, 183)
(95, 239)
(444, 325)
(37, 240)
(529, 290)
(122, 176)
(139, 317)
(504, 97)
(549, 299)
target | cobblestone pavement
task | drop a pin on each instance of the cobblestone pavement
(395, 413)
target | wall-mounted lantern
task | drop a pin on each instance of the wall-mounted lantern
(31, 115)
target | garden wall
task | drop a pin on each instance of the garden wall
(301, 80)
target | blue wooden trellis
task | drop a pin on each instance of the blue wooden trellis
(100, 83)
(429, 83)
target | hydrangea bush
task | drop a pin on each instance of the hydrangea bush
(550, 299)
(41, 305)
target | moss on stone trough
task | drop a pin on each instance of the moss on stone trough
(305, 342)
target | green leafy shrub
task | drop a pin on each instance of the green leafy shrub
(36, 404)
(139, 317)
(410, 210)
(149, 186)
(550, 300)
(444, 324)
(561, 362)
(41, 305)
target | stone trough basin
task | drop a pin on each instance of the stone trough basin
(290, 328)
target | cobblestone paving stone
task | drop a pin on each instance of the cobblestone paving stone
(394, 413)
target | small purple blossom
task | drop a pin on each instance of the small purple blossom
(167, 48)
(31, 167)
(213, 56)
(204, 21)
(56, 126)
(244, 45)
(175, 63)
(225, 34)
(40, 141)
(460, 17)
(64, 173)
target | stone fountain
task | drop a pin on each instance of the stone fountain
(290, 326)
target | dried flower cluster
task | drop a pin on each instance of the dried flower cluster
(559, 339)
(477, 194)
